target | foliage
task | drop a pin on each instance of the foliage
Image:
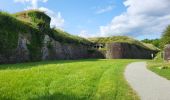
(159, 56)
(35, 17)
(10, 30)
(66, 80)
(165, 37)
(35, 46)
(122, 39)
(155, 42)
(34, 24)
(42, 21)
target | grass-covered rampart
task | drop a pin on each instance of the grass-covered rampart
(34, 25)
(123, 39)
(10, 30)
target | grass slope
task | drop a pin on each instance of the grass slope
(33, 16)
(66, 80)
(65, 37)
(160, 67)
(13, 25)
(10, 30)
(39, 19)
(123, 39)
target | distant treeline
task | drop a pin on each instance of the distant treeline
(160, 43)
(155, 42)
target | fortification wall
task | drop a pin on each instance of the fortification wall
(34, 40)
(53, 50)
(50, 50)
(128, 51)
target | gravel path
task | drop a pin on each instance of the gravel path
(147, 84)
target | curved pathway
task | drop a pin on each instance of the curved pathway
(147, 84)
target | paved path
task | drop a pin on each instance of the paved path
(147, 84)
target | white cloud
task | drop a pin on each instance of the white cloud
(106, 9)
(34, 3)
(56, 19)
(143, 17)
(86, 34)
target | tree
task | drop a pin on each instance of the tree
(165, 37)
(155, 42)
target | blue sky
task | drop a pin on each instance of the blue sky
(89, 18)
(81, 14)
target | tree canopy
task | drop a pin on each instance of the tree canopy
(166, 37)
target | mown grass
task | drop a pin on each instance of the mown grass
(66, 80)
(159, 66)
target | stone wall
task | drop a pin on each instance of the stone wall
(167, 52)
(51, 50)
(23, 42)
(128, 51)
(20, 54)
(54, 50)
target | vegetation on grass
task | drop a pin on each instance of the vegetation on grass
(42, 21)
(9, 33)
(123, 39)
(159, 66)
(66, 80)
(33, 25)
(65, 37)
(35, 17)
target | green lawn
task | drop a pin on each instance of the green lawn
(66, 80)
(160, 67)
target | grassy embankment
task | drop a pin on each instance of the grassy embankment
(123, 39)
(66, 80)
(33, 25)
(41, 21)
(160, 67)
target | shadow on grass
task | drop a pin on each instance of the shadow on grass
(60, 96)
(37, 64)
